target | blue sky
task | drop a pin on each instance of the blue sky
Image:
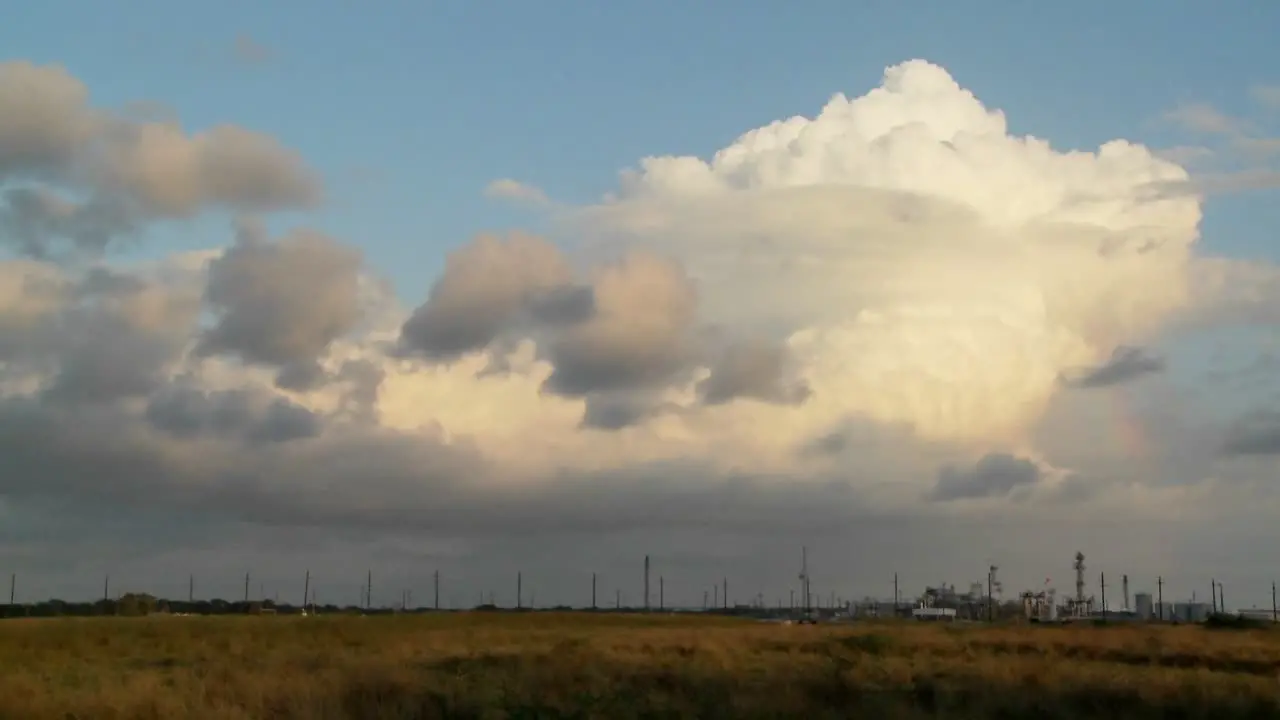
(409, 109)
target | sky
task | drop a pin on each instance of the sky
(546, 289)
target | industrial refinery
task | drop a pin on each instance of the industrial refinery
(985, 601)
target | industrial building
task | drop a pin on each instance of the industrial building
(933, 613)
(1264, 614)
(983, 601)
(1144, 606)
(1041, 606)
(1192, 612)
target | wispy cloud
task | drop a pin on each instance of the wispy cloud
(1266, 95)
(509, 189)
(249, 51)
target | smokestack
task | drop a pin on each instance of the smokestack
(1079, 568)
(646, 583)
(1124, 588)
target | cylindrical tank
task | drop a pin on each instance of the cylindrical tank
(1143, 606)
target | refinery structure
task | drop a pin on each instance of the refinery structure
(1095, 598)
(1087, 600)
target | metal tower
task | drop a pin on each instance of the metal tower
(1079, 568)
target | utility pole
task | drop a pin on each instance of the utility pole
(662, 598)
(646, 583)
(368, 592)
(306, 590)
(436, 582)
(1274, 615)
(246, 588)
(13, 587)
(1213, 594)
(715, 596)
(593, 591)
(1102, 583)
(1160, 596)
(519, 590)
(1222, 598)
(726, 593)
(804, 577)
(991, 601)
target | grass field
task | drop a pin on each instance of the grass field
(481, 665)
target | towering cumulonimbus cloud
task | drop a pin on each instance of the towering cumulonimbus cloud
(926, 266)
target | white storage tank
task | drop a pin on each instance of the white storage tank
(1143, 606)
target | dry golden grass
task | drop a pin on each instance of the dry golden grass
(586, 666)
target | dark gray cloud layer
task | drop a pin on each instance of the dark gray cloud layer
(282, 303)
(752, 370)
(1257, 433)
(1126, 364)
(994, 475)
(188, 412)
